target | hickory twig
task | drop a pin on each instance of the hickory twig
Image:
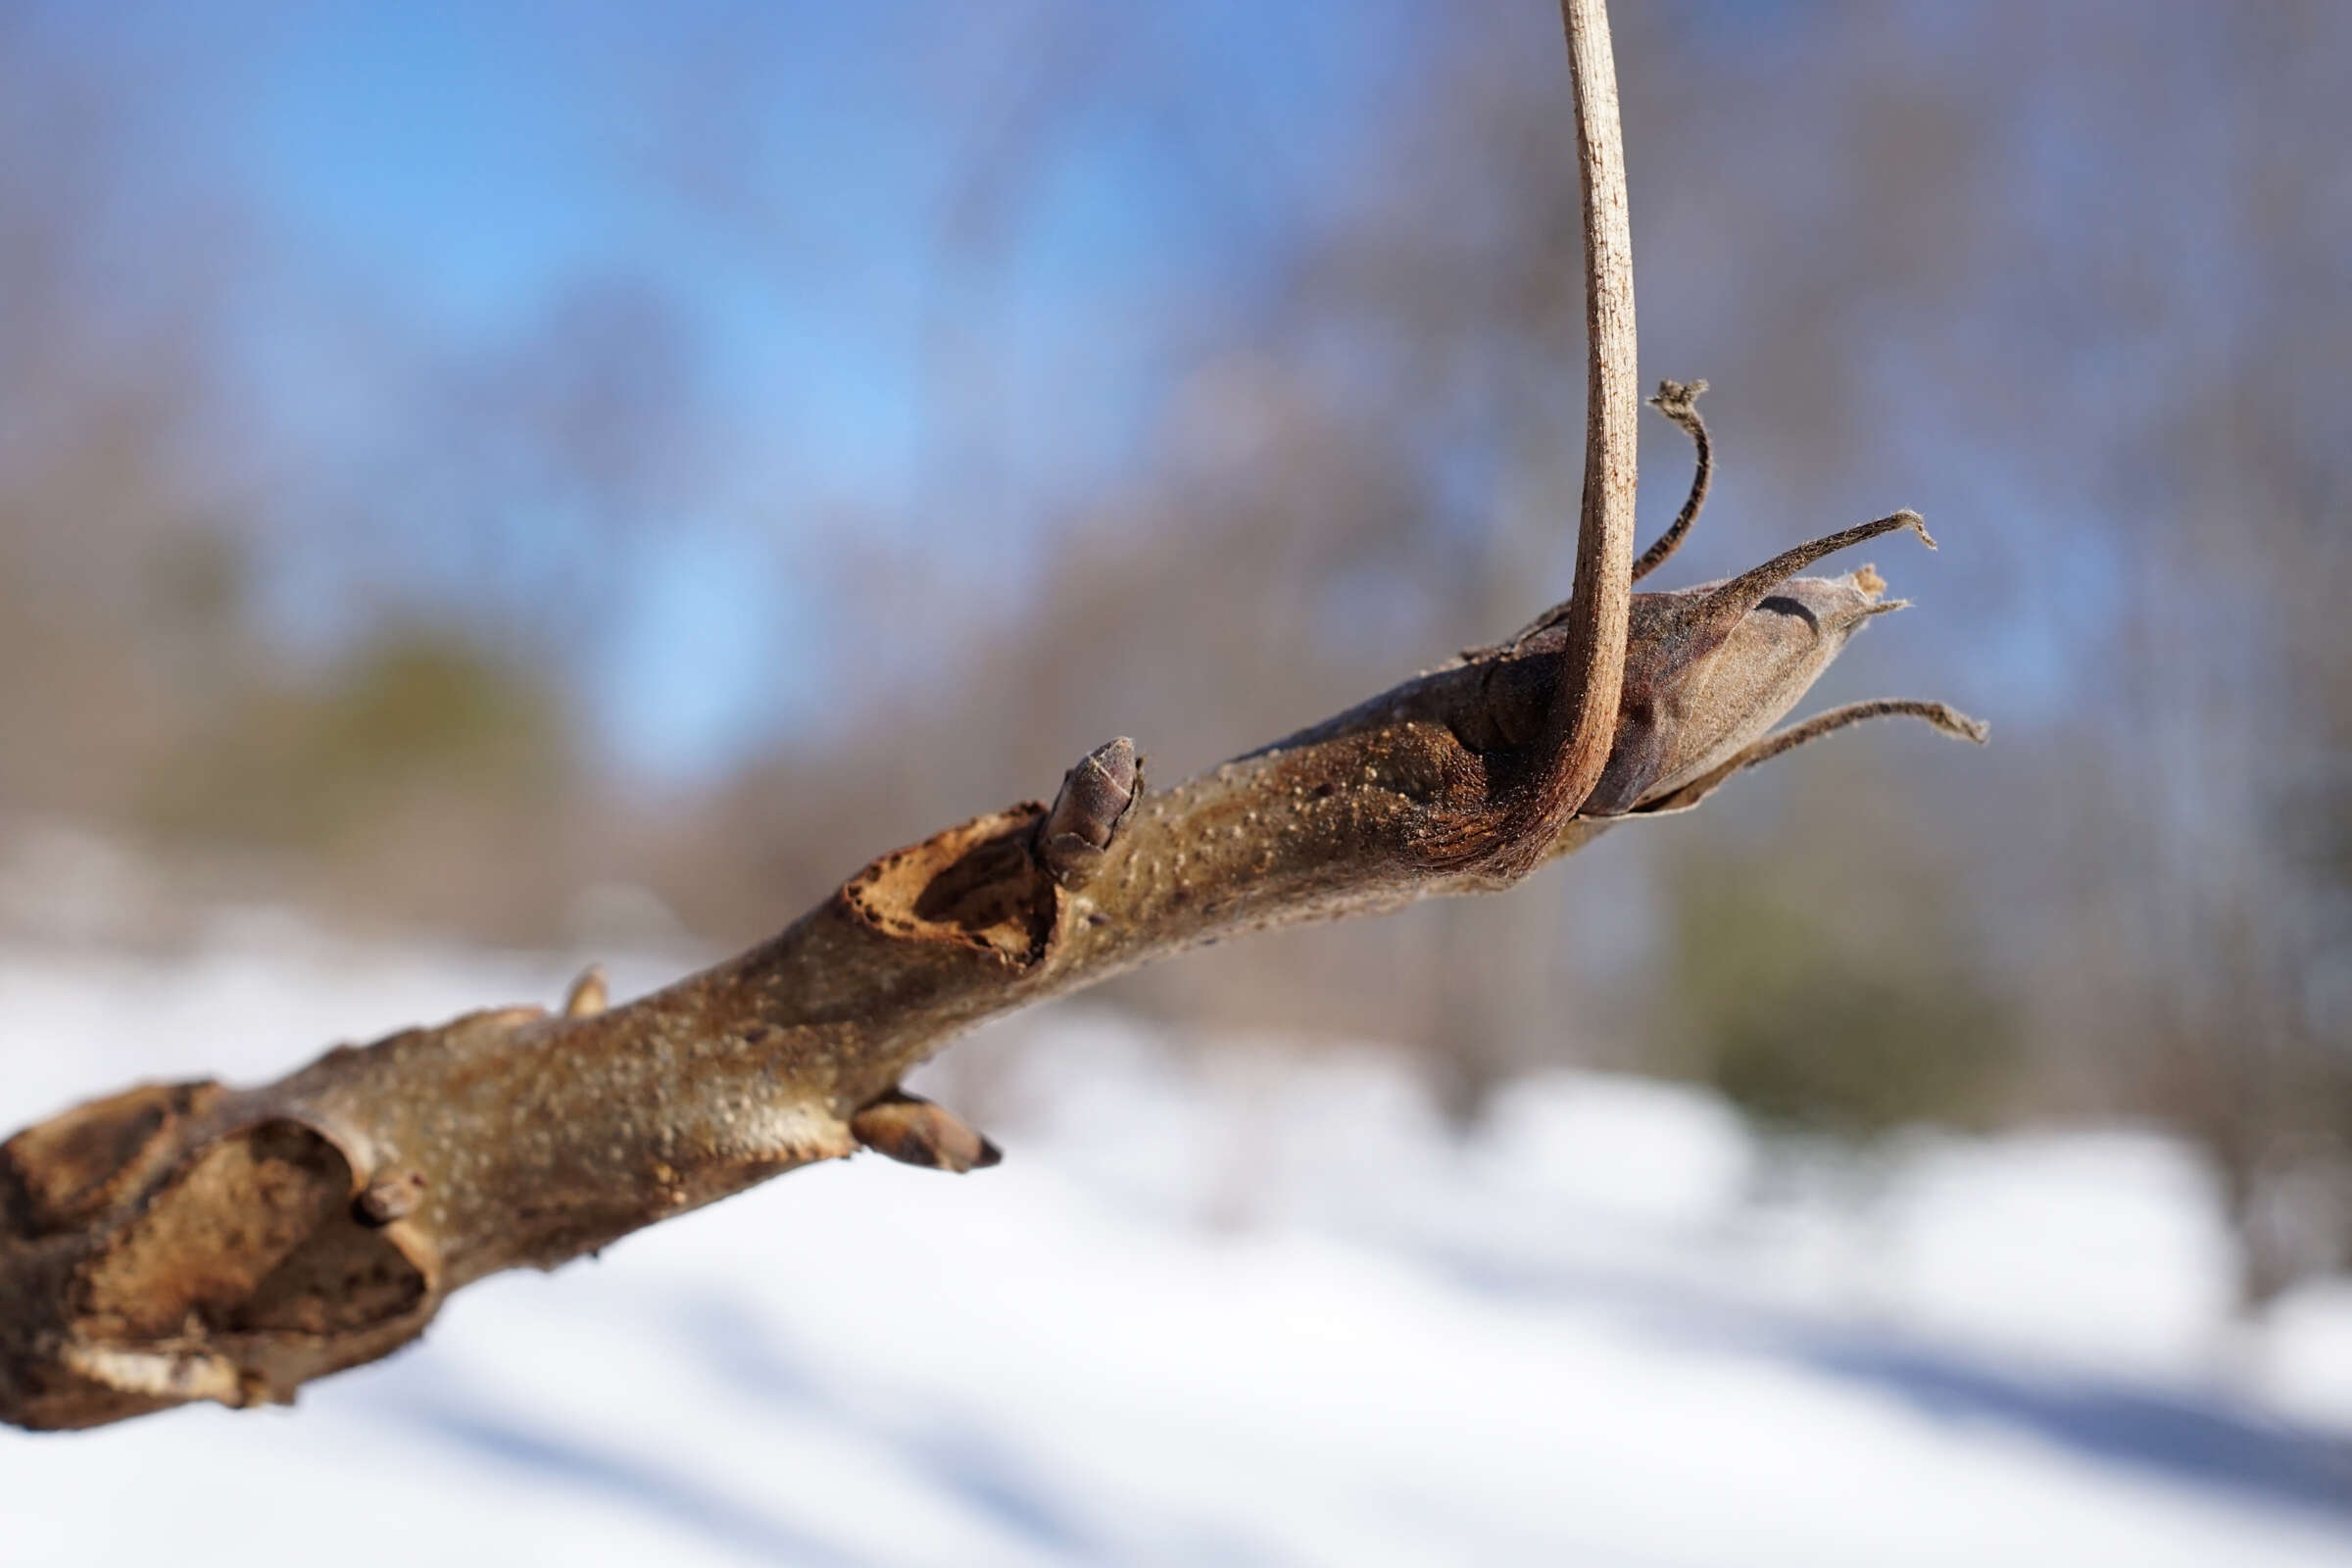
(174, 1242)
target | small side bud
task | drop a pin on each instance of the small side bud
(914, 1131)
(389, 1197)
(587, 996)
(1096, 796)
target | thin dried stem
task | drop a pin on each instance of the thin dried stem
(1675, 399)
(1679, 402)
(1727, 604)
(1559, 764)
(1583, 713)
(1943, 716)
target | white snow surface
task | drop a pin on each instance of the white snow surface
(1251, 1304)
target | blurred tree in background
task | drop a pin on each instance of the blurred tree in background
(1824, 975)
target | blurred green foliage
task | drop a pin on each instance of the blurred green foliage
(1824, 1009)
(415, 714)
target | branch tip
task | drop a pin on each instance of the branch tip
(1674, 399)
(1954, 722)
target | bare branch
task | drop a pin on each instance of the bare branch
(174, 1242)
(187, 1241)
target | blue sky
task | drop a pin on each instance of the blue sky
(882, 391)
(783, 180)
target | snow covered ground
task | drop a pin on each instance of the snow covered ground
(1249, 1306)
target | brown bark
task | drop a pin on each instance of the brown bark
(192, 1242)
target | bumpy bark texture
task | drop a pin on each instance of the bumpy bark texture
(177, 1243)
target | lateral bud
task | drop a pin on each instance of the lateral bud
(1096, 796)
(389, 1197)
(587, 996)
(914, 1131)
